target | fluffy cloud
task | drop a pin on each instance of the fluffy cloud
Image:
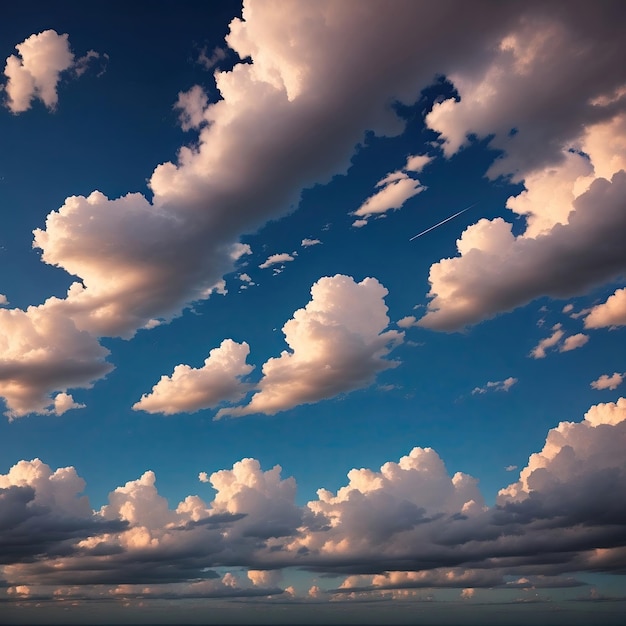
(337, 344)
(608, 382)
(65, 402)
(276, 259)
(569, 149)
(42, 350)
(189, 389)
(408, 525)
(34, 73)
(498, 385)
(609, 313)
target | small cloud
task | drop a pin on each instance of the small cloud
(276, 259)
(64, 402)
(310, 242)
(3, 300)
(498, 385)
(407, 322)
(539, 351)
(359, 223)
(610, 313)
(203, 477)
(510, 468)
(245, 278)
(573, 342)
(417, 162)
(608, 382)
(395, 189)
(210, 61)
(568, 308)
(192, 105)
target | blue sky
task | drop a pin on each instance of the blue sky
(237, 388)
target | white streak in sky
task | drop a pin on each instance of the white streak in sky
(443, 222)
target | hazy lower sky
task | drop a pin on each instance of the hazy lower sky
(313, 312)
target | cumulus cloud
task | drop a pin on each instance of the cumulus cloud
(42, 350)
(417, 163)
(209, 62)
(408, 525)
(498, 385)
(288, 120)
(337, 342)
(34, 73)
(65, 402)
(320, 77)
(608, 382)
(277, 259)
(190, 389)
(568, 149)
(609, 313)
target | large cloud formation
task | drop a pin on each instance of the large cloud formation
(337, 344)
(408, 525)
(561, 128)
(314, 78)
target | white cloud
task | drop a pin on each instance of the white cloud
(192, 105)
(359, 223)
(568, 308)
(397, 188)
(570, 159)
(561, 515)
(609, 313)
(35, 72)
(539, 351)
(306, 243)
(417, 162)
(42, 351)
(608, 382)
(337, 343)
(573, 342)
(407, 322)
(64, 402)
(189, 389)
(498, 385)
(276, 259)
(3, 300)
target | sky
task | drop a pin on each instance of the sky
(313, 312)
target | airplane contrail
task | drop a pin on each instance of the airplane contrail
(443, 222)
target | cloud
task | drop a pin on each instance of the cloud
(3, 300)
(417, 162)
(407, 322)
(40, 351)
(610, 313)
(396, 189)
(337, 343)
(65, 402)
(608, 382)
(34, 73)
(574, 342)
(189, 389)
(569, 158)
(192, 105)
(539, 351)
(306, 243)
(276, 259)
(408, 525)
(499, 385)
